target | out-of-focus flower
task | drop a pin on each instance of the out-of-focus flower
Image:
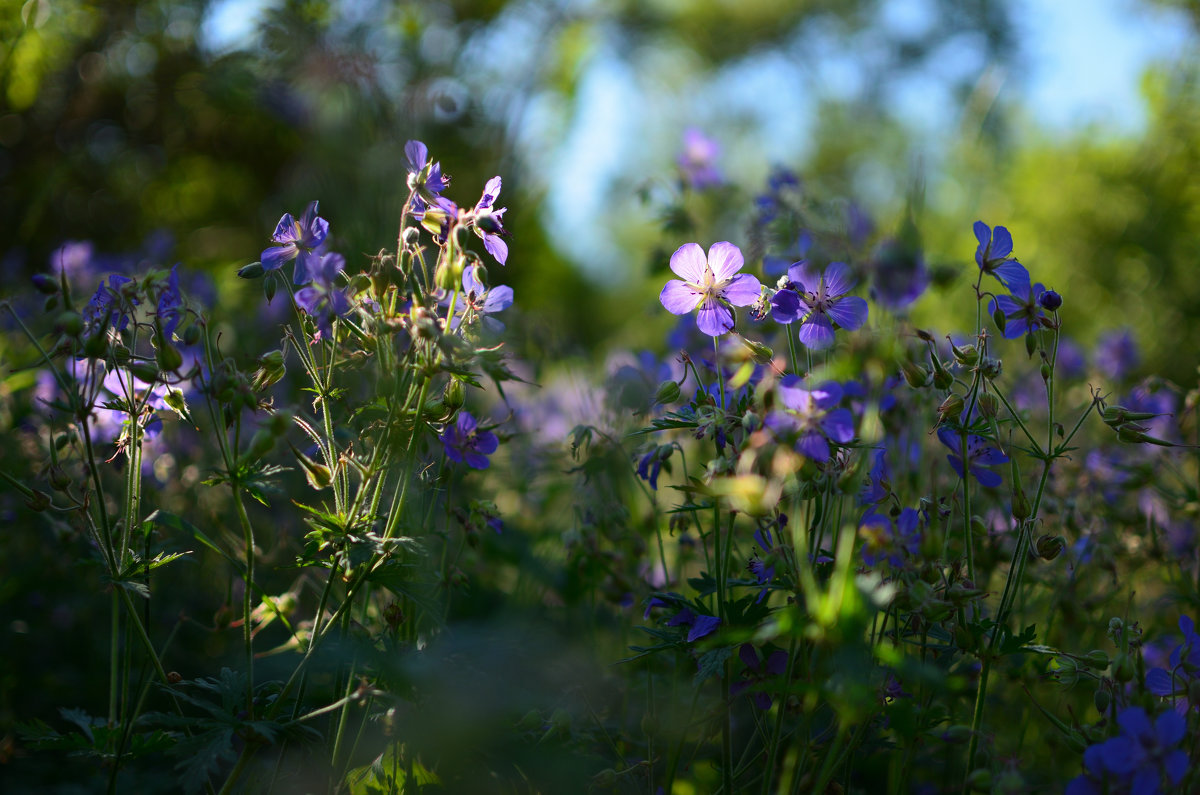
(980, 453)
(900, 274)
(1136, 761)
(697, 161)
(170, 302)
(301, 240)
(1184, 662)
(888, 540)
(821, 300)
(465, 443)
(111, 302)
(1116, 354)
(758, 671)
(709, 286)
(322, 299)
(814, 415)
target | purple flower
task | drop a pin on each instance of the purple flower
(890, 541)
(709, 286)
(1184, 664)
(994, 256)
(697, 161)
(170, 300)
(488, 221)
(434, 181)
(757, 672)
(1116, 354)
(323, 300)
(301, 240)
(1022, 310)
(698, 625)
(651, 464)
(821, 300)
(980, 453)
(1050, 300)
(900, 274)
(479, 301)
(464, 442)
(437, 216)
(1136, 760)
(813, 415)
(109, 304)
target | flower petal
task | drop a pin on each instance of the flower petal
(839, 425)
(986, 477)
(285, 230)
(1158, 682)
(714, 318)
(496, 246)
(744, 290)
(1002, 243)
(786, 307)
(679, 298)
(688, 263)
(838, 279)
(814, 446)
(725, 259)
(849, 313)
(817, 332)
(498, 299)
(417, 154)
(276, 256)
(804, 275)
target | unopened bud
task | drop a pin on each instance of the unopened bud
(991, 368)
(1050, 547)
(1020, 505)
(317, 474)
(58, 478)
(37, 500)
(1045, 371)
(916, 376)
(69, 323)
(759, 352)
(667, 392)
(951, 408)
(254, 270)
(1102, 699)
(454, 395)
(191, 335)
(144, 371)
(966, 355)
(1096, 658)
(168, 357)
(45, 283)
(989, 406)
(1030, 344)
(999, 319)
(1050, 300)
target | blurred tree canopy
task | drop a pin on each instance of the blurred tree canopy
(119, 120)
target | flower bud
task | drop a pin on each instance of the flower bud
(1097, 659)
(69, 323)
(58, 478)
(667, 392)
(318, 475)
(759, 352)
(144, 371)
(1050, 547)
(989, 406)
(191, 335)
(991, 368)
(1021, 508)
(168, 357)
(942, 379)
(966, 355)
(1102, 699)
(999, 319)
(252, 271)
(454, 395)
(96, 345)
(951, 408)
(1050, 300)
(916, 376)
(1045, 371)
(1030, 344)
(45, 283)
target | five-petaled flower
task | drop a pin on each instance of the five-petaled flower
(980, 453)
(488, 223)
(814, 415)
(709, 286)
(1136, 760)
(431, 182)
(301, 240)
(1022, 310)
(479, 301)
(821, 300)
(464, 442)
(994, 256)
(322, 300)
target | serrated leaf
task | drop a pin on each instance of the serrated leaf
(712, 663)
(203, 754)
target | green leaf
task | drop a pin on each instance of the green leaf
(712, 663)
(203, 754)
